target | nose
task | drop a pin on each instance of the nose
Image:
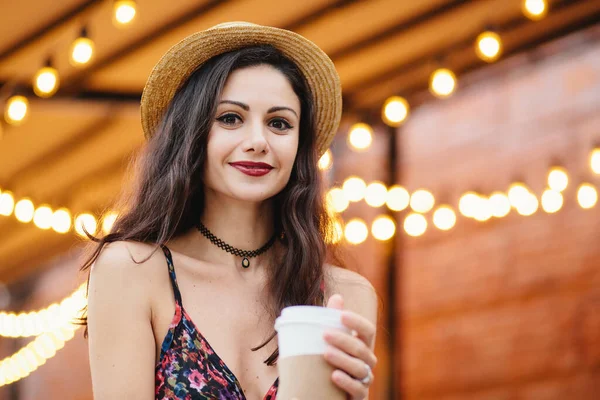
(256, 140)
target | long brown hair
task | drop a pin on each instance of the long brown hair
(167, 195)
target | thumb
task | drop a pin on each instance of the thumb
(336, 301)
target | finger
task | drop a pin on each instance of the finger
(354, 388)
(351, 345)
(351, 365)
(363, 327)
(336, 301)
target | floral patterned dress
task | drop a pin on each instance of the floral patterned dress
(188, 367)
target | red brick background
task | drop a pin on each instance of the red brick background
(508, 309)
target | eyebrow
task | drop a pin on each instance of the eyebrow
(247, 107)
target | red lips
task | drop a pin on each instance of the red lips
(252, 168)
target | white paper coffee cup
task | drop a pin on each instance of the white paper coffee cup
(300, 329)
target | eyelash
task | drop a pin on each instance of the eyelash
(286, 124)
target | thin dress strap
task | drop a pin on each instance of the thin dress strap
(172, 276)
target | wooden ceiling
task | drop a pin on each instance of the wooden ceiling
(73, 149)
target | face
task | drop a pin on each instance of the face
(253, 141)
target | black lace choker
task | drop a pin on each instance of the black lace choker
(246, 254)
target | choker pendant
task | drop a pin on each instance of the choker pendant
(245, 254)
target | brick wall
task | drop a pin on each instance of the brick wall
(508, 309)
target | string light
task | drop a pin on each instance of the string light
(48, 319)
(108, 221)
(383, 228)
(87, 221)
(61, 220)
(397, 198)
(354, 188)
(558, 179)
(595, 161)
(422, 201)
(325, 161)
(535, 9)
(499, 204)
(337, 200)
(415, 224)
(24, 210)
(552, 201)
(518, 193)
(53, 329)
(442, 83)
(488, 46)
(42, 217)
(482, 210)
(394, 111)
(527, 205)
(468, 203)
(444, 218)
(587, 196)
(376, 194)
(356, 231)
(360, 136)
(7, 203)
(16, 110)
(82, 50)
(46, 81)
(124, 12)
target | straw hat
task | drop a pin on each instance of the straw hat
(174, 68)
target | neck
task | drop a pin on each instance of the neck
(240, 224)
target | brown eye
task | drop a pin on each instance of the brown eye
(229, 119)
(280, 124)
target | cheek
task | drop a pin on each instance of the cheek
(287, 153)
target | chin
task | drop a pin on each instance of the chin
(255, 193)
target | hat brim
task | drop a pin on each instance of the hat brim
(174, 68)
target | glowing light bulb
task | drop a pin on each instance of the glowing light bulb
(88, 221)
(415, 224)
(595, 161)
(383, 228)
(16, 110)
(61, 220)
(394, 111)
(500, 204)
(337, 200)
(397, 198)
(552, 201)
(488, 46)
(24, 210)
(535, 9)
(354, 188)
(7, 203)
(375, 194)
(442, 83)
(42, 218)
(422, 201)
(587, 196)
(356, 231)
(124, 12)
(360, 137)
(444, 218)
(46, 82)
(558, 179)
(82, 50)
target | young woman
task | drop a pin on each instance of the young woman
(225, 227)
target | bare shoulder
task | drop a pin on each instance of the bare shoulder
(126, 267)
(358, 293)
(341, 279)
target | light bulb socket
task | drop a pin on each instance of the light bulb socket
(83, 33)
